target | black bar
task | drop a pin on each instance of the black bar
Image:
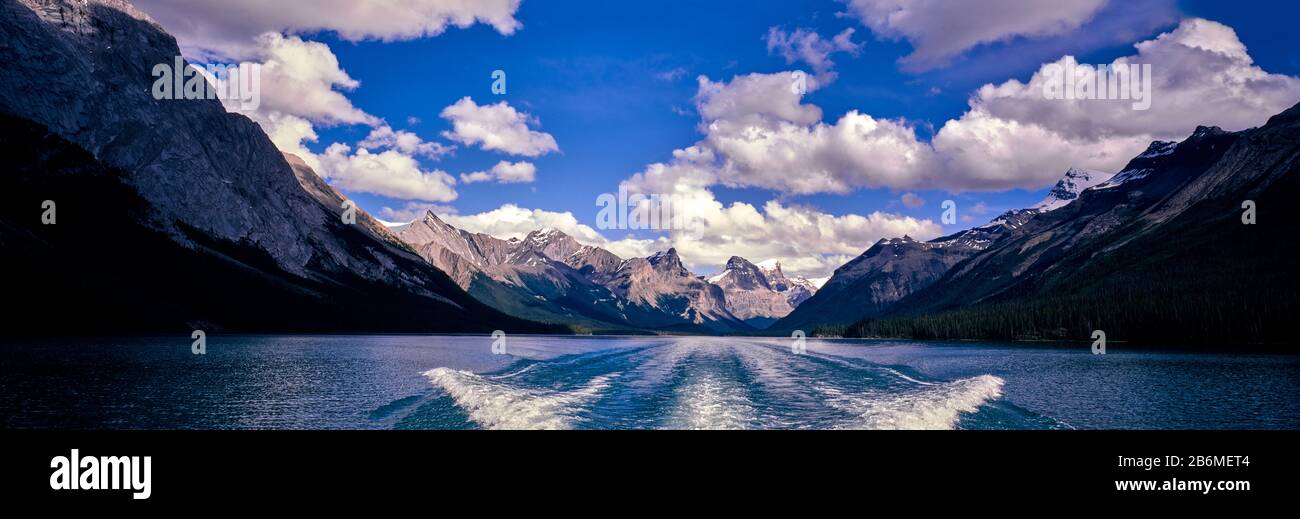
(236, 467)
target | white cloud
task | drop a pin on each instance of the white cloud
(303, 84)
(512, 221)
(754, 97)
(504, 172)
(1202, 74)
(809, 47)
(288, 133)
(911, 201)
(388, 173)
(805, 240)
(303, 78)
(941, 29)
(497, 127)
(856, 151)
(759, 133)
(229, 25)
(1014, 136)
(405, 142)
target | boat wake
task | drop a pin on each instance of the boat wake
(713, 383)
(496, 405)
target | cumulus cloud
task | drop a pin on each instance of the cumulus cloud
(1014, 136)
(752, 98)
(304, 79)
(805, 45)
(504, 172)
(940, 29)
(1200, 70)
(805, 240)
(302, 85)
(512, 221)
(406, 142)
(383, 164)
(758, 132)
(497, 127)
(228, 26)
(388, 173)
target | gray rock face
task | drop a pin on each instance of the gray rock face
(561, 278)
(82, 69)
(661, 286)
(760, 296)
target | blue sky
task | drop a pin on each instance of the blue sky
(615, 84)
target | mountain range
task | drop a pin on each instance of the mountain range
(175, 215)
(1191, 243)
(895, 268)
(551, 277)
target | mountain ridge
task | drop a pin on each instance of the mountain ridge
(207, 190)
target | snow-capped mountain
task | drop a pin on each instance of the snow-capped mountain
(760, 294)
(1068, 188)
(797, 289)
(549, 276)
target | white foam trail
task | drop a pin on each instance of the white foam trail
(498, 406)
(516, 373)
(909, 379)
(932, 407)
(709, 403)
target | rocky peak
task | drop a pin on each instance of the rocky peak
(742, 273)
(668, 262)
(1068, 188)
(549, 242)
(1207, 131)
(1158, 148)
(739, 263)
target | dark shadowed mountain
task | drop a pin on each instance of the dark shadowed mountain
(895, 268)
(174, 214)
(1159, 253)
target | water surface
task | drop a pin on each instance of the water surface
(419, 382)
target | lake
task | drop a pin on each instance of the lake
(457, 382)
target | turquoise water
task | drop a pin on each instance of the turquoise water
(442, 382)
